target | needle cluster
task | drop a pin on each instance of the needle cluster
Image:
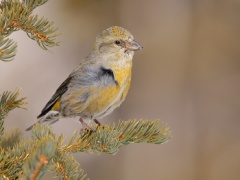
(17, 15)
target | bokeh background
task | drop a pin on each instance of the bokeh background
(188, 75)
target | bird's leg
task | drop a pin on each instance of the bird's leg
(85, 126)
(97, 122)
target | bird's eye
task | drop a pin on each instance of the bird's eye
(117, 42)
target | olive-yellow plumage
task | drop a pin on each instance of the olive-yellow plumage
(99, 84)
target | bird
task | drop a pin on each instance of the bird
(99, 84)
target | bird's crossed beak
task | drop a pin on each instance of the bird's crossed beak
(133, 46)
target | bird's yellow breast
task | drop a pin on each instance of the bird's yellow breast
(121, 74)
(111, 96)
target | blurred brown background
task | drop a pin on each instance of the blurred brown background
(188, 75)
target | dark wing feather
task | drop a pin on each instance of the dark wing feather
(59, 92)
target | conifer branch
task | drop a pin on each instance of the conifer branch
(67, 167)
(109, 138)
(11, 160)
(9, 101)
(30, 158)
(63, 162)
(40, 30)
(32, 4)
(134, 131)
(8, 49)
(36, 165)
(17, 15)
(9, 139)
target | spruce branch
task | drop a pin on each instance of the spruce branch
(8, 49)
(31, 158)
(17, 15)
(41, 30)
(11, 161)
(109, 138)
(12, 164)
(63, 162)
(32, 4)
(134, 131)
(10, 138)
(67, 167)
(36, 164)
(9, 101)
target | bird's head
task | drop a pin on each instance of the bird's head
(116, 40)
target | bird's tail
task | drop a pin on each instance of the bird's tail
(49, 118)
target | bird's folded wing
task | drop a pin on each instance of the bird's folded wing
(56, 97)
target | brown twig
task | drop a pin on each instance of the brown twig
(43, 161)
(15, 23)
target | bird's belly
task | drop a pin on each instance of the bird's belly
(105, 101)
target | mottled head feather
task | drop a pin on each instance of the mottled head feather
(120, 32)
(114, 32)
